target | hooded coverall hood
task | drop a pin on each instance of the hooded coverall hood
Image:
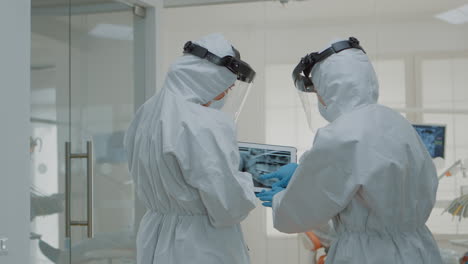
(197, 80)
(345, 81)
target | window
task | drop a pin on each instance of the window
(391, 75)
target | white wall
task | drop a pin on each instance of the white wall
(14, 132)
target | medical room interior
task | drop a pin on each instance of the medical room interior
(93, 63)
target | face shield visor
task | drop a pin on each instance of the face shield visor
(301, 73)
(233, 98)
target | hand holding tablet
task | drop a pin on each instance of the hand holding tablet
(262, 159)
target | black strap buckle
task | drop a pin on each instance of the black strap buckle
(196, 50)
(188, 47)
(354, 42)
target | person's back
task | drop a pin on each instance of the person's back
(396, 188)
(184, 161)
(367, 170)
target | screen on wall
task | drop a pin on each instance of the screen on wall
(433, 137)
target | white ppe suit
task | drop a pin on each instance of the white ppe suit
(367, 170)
(184, 160)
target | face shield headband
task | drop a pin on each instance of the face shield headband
(301, 73)
(241, 69)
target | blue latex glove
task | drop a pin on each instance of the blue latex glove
(283, 174)
(267, 196)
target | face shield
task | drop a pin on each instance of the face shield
(233, 99)
(301, 73)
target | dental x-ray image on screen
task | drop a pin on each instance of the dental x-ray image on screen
(260, 159)
(433, 137)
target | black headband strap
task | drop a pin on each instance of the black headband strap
(243, 70)
(315, 57)
(202, 52)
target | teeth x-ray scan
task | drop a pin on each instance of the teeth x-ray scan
(259, 159)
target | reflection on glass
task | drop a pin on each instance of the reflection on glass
(118, 247)
(47, 202)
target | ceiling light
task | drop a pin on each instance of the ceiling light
(456, 16)
(111, 31)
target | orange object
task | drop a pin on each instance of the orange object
(448, 174)
(458, 210)
(317, 244)
(315, 240)
(322, 259)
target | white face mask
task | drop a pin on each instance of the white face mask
(323, 111)
(329, 113)
(217, 104)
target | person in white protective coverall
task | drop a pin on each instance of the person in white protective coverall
(367, 170)
(184, 159)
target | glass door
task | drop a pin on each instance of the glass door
(103, 98)
(84, 93)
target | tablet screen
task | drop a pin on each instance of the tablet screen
(260, 159)
(433, 137)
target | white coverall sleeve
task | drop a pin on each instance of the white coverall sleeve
(320, 188)
(210, 163)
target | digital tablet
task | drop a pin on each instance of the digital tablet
(260, 159)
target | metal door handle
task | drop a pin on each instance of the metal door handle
(90, 178)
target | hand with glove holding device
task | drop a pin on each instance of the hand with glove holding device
(283, 175)
(267, 196)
